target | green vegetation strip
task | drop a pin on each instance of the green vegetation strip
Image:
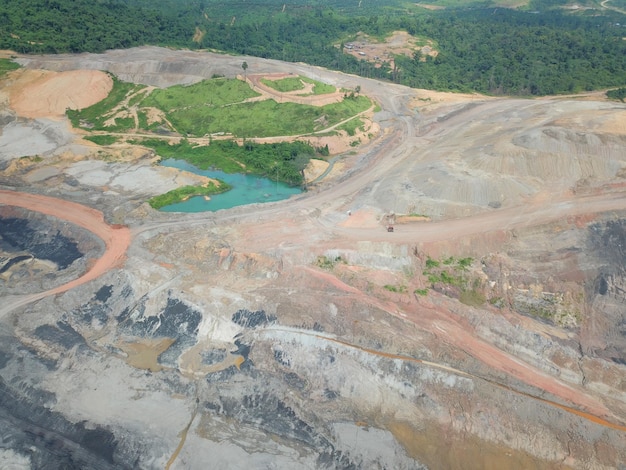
(447, 271)
(264, 118)
(617, 94)
(452, 271)
(284, 85)
(351, 126)
(184, 193)
(6, 65)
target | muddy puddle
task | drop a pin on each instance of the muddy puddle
(145, 354)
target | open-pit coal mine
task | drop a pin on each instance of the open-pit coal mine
(38, 252)
(487, 330)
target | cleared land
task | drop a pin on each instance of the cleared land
(530, 193)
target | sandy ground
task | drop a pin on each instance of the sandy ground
(42, 93)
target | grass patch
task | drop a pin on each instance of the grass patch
(264, 118)
(142, 119)
(319, 88)
(421, 292)
(289, 84)
(101, 139)
(121, 124)
(216, 106)
(184, 193)
(351, 126)
(284, 85)
(452, 272)
(207, 93)
(447, 271)
(7, 65)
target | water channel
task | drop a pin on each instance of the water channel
(246, 189)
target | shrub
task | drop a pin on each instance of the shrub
(325, 262)
(394, 288)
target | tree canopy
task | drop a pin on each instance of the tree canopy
(539, 49)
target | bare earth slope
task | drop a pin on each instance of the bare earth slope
(303, 334)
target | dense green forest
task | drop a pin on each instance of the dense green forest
(541, 48)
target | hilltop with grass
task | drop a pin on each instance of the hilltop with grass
(225, 124)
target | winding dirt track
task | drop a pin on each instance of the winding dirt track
(116, 239)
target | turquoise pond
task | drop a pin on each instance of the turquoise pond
(247, 189)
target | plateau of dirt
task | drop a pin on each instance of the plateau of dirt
(364, 47)
(485, 331)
